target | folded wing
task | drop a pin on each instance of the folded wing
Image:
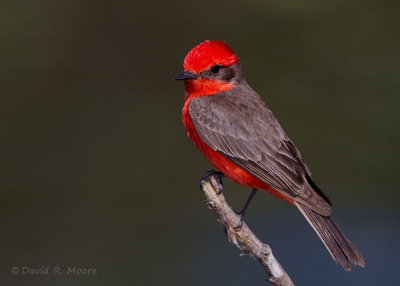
(238, 124)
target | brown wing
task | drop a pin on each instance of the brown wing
(238, 124)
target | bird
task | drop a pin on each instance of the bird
(236, 131)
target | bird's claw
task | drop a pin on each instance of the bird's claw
(240, 224)
(216, 180)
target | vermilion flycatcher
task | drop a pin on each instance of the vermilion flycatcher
(229, 122)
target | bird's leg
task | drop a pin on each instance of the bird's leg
(245, 207)
(217, 175)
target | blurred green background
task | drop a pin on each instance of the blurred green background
(97, 170)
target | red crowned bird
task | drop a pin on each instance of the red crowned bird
(232, 126)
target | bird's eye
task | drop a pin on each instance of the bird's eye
(215, 69)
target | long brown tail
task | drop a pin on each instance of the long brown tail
(340, 248)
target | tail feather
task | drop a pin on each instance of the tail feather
(338, 245)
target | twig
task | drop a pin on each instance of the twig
(240, 234)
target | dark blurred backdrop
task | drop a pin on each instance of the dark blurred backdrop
(97, 170)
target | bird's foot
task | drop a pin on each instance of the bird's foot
(217, 182)
(245, 207)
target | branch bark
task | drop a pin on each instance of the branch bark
(242, 236)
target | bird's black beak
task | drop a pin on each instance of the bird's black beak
(186, 75)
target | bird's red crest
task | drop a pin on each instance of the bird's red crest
(209, 53)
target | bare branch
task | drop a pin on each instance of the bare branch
(241, 235)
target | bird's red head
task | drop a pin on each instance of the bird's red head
(208, 54)
(204, 68)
